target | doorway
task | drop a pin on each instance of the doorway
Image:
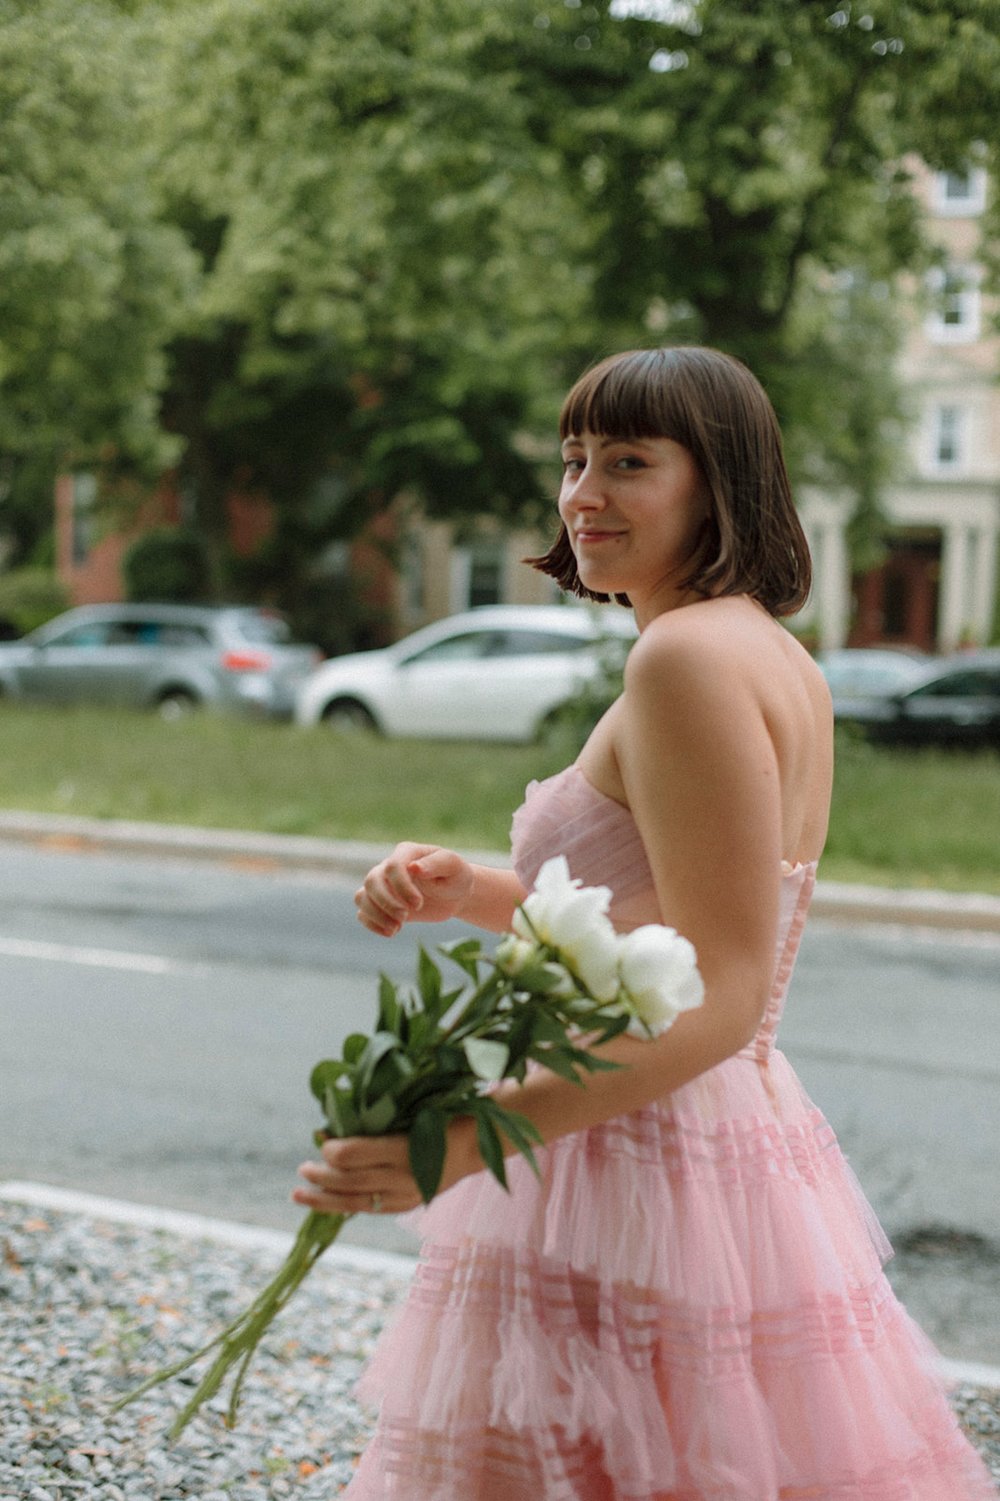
(896, 604)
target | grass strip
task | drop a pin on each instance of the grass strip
(901, 817)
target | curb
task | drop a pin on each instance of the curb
(957, 911)
(256, 1238)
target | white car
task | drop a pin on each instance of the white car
(498, 672)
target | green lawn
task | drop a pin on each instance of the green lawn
(917, 818)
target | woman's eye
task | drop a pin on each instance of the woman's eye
(572, 465)
(629, 461)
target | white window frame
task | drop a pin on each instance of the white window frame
(949, 427)
(955, 289)
(949, 204)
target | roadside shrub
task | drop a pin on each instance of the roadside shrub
(571, 724)
(169, 564)
(29, 597)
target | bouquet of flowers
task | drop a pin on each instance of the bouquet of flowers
(563, 977)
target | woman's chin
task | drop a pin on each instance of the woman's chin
(601, 580)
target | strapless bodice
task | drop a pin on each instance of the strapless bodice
(566, 815)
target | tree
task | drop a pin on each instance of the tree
(89, 277)
(376, 240)
(385, 261)
(743, 171)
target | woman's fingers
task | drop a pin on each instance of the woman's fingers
(390, 896)
(362, 1175)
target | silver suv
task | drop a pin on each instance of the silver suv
(171, 658)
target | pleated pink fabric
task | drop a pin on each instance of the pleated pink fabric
(689, 1306)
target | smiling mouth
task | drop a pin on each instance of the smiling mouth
(589, 536)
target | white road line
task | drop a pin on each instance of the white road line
(68, 953)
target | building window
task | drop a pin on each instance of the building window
(948, 434)
(84, 498)
(955, 318)
(486, 559)
(960, 193)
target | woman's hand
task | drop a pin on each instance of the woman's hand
(416, 883)
(371, 1174)
(360, 1175)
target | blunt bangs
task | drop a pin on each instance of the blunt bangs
(628, 396)
(713, 406)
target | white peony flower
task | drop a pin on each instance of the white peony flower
(573, 919)
(513, 954)
(659, 973)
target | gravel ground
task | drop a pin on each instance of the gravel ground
(89, 1308)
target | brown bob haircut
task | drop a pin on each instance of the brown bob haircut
(714, 407)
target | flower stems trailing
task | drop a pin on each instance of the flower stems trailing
(434, 1055)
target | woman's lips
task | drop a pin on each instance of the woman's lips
(586, 536)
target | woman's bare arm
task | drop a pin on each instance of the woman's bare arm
(701, 777)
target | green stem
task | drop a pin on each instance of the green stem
(240, 1338)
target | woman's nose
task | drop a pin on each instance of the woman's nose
(581, 491)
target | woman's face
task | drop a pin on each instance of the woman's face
(634, 509)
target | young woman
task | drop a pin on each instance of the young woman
(690, 1304)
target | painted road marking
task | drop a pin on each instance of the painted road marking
(69, 953)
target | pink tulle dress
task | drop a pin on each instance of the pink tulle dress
(690, 1305)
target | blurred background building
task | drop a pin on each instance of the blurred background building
(937, 586)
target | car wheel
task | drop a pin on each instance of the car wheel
(349, 717)
(176, 704)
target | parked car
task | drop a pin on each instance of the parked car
(954, 702)
(499, 672)
(166, 657)
(860, 678)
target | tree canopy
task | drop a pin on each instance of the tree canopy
(337, 252)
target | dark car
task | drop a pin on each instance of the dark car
(166, 657)
(956, 702)
(861, 678)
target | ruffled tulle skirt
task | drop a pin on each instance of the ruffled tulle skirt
(689, 1305)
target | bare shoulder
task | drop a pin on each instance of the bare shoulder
(727, 669)
(711, 643)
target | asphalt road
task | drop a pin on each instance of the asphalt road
(159, 1018)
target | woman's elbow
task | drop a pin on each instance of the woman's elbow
(735, 1019)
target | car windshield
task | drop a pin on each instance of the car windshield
(265, 630)
(870, 675)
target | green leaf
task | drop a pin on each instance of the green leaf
(389, 1008)
(341, 1116)
(376, 1119)
(522, 1132)
(325, 1075)
(487, 1059)
(560, 1062)
(466, 953)
(429, 980)
(490, 1147)
(393, 1070)
(427, 1144)
(375, 1048)
(544, 1026)
(354, 1046)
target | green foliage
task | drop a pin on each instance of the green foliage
(569, 726)
(90, 276)
(381, 259)
(340, 252)
(31, 596)
(167, 564)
